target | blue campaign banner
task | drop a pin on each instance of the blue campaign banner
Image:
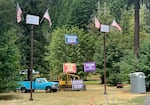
(71, 39)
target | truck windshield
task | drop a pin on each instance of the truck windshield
(45, 80)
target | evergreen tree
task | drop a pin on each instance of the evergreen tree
(9, 53)
(80, 12)
(41, 33)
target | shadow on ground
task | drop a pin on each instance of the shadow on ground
(8, 97)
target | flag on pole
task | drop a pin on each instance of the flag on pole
(115, 24)
(97, 23)
(46, 16)
(19, 13)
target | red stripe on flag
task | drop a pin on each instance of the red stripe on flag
(115, 24)
(19, 13)
(46, 16)
(97, 23)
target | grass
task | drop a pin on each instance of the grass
(92, 82)
(93, 94)
(139, 100)
(8, 97)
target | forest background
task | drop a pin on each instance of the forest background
(73, 17)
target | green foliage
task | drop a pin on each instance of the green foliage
(9, 53)
(118, 47)
(144, 64)
(9, 63)
(41, 36)
(80, 12)
(62, 53)
(65, 7)
(127, 21)
(145, 24)
(147, 3)
(74, 17)
(117, 7)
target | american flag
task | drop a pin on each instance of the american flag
(46, 16)
(115, 24)
(19, 13)
(97, 23)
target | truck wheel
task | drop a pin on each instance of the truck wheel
(23, 90)
(48, 89)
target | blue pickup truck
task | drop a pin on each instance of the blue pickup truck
(38, 84)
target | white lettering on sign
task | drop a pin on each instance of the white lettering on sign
(32, 19)
(77, 84)
(72, 38)
(90, 64)
(104, 28)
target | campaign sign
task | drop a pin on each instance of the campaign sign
(77, 84)
(104, 28)
(32, 19)
(71, 39)
(89, 66)
(69, 68)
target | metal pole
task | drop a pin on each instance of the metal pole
(31, 63)
(98, 8)
(105, 64)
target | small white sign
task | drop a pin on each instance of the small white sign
(104, 28)
(32, 19)
(77, 84)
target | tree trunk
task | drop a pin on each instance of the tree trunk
(136, 31)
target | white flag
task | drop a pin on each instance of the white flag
(19, 13)
(46, 16)
(115, 24)
(97, 23)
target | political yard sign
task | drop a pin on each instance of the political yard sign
(89, 66)
(71, 39)
(77, 84)
(69, 68)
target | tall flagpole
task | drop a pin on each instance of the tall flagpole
(105, 63)
(104, 29)
(32, 20)
(31, 63)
